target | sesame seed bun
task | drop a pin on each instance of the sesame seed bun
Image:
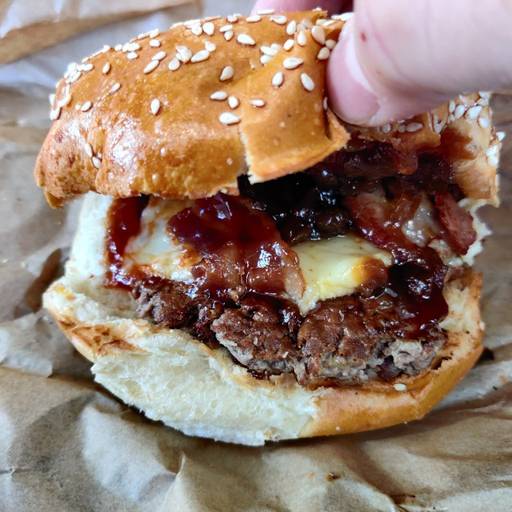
(182, 113)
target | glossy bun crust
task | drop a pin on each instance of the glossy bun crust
(140, 118)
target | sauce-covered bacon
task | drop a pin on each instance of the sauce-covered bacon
(241, 248)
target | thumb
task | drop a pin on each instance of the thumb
(397, 58)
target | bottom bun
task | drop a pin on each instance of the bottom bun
(174, 378)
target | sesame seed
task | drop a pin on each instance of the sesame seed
(245, 39)
(159, 56)
(493, 160)
(132, 55)
(200, 56)
(208, 28)
(87, 67)
(86, 106)
(163, 151)
(323, 53)
(229, 161)
(288, 45)
(459, 111)
(268, 50)
(88, 150)
(280, 20)
(174, 64)
(77, 106)
(330, 43)
(74, 77)
(233, 102)
(228, 35)
(306, 23)
(96, 162)
(275, 46)
(307, 82)
(196, 30)
(155, 43)
(413, 127)
(55, 114)
(278, 79)
(492, 150)
(401, 128)
(51, 99)
(115, 87)
(451, 107)
(474, 112)
(210, 47)
(302, 38)
(232, 18)
(292, 62)
(106, 68)
(155, 106)
(265, 59)
(229, 118)
(325, 103)
(483, 122)
(343, 17)
(218, 96)
(153, 33)
(118, 47)
(183, 53)
(226, 74)
(501, 135)
(131, 47)
(65, 101)
(257, 102)
(438, 126)
(291, 28)
(151, 66)
(226, 28)
(386, 128)
(253, 19)
(318, 34)
(265, 12)
(485, 95)
(400, 386)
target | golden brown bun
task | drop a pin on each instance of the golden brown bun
(174, 378)
(181, 148)
(106, 137)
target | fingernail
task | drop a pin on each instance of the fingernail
(350, 94)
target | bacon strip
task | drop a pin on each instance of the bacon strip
(457, 223)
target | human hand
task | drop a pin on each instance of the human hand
(397, 58)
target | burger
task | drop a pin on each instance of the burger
(247, 267)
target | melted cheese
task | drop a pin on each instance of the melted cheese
(154, 249)
(331, 268)
(335, 267)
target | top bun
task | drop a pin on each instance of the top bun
(182, 113)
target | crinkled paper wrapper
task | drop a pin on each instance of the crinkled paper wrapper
(68, 445)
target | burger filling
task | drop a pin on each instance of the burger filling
(334, 275)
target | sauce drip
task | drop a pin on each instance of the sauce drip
(124, 223)
(242, 250)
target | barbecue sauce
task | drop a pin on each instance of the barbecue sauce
(124, 220)
(241, 248)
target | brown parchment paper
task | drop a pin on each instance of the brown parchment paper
(67, 445)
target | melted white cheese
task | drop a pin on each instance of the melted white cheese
(335, 267)
(331, 268)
